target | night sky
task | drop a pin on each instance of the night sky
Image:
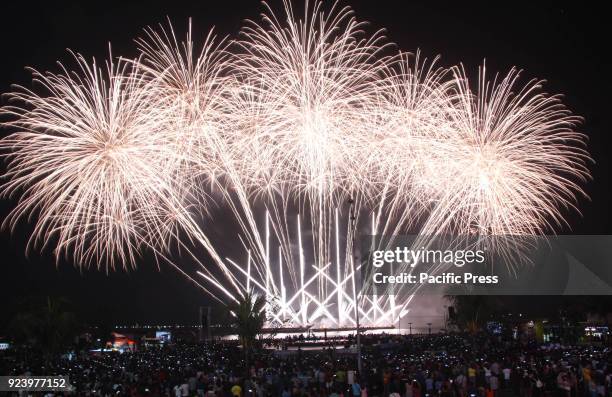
(566, 45)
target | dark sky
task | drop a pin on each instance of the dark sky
(563, 44)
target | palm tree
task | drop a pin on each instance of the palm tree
(472, 311)
(248, 319)
(47, 325)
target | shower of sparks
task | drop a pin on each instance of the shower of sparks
(304, 119)
(91, 164)
(308, 127)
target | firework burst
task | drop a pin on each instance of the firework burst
(310, 124)
(90, 159)
(510, 161)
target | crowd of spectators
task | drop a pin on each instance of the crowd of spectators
(451, 365)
